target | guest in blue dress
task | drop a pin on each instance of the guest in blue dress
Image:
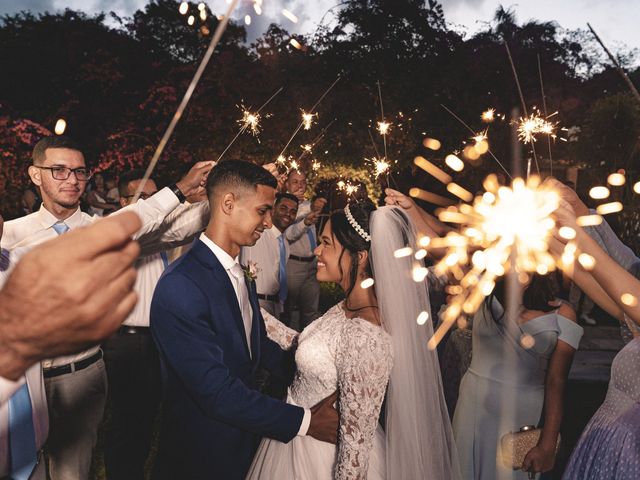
(518, 366)
(609, 448)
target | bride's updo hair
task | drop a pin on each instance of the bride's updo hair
(350, 239)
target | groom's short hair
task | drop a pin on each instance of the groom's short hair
(236, 175)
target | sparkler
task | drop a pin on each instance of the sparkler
(307, 119)
(383, 128)
(302, 123)
(475, 134)
(488, 115)
(380, 166)
(509, 228)
(535, 124)
(185, 100)
(250, 120)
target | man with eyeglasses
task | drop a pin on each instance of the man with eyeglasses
(76, 385)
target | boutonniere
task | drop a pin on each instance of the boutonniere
(251, 270)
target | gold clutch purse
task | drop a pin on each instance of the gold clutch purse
(514, 446)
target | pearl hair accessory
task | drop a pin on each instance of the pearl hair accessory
(356, 226)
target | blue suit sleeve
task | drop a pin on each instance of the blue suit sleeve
(181, 328)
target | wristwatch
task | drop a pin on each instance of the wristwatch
(178, 193)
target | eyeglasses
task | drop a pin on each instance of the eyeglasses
(63, 173)
(143, 195)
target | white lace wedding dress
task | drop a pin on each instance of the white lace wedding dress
(354, 357)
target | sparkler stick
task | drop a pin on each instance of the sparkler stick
(295, 132)
(246, 124)
(382, 123)
(473, 133)
(626, 78)
(317, 139)
(524, 105)
(544, 107)
(187, 96)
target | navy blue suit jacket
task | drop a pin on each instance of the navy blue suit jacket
(213, 418)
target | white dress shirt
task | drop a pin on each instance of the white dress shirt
(297, 232)
(164, 224)
(228, 263)
(266, 254)
(33, 377)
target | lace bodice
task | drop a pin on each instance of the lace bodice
(350, 355)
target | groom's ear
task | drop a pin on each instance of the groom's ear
(228, 202)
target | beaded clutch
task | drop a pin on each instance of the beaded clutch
(514, 446)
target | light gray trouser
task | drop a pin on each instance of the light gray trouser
(76, 406)
(303, 293)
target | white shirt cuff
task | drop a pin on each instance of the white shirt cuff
(166, 198)
(306, 421)
(9, 387)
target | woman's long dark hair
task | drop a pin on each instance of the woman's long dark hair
(351, 240)
(542, 290)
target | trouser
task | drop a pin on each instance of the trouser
(303, 293)
(135, 390)
(76, 404)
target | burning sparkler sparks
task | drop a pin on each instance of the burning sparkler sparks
(348, 187)
(535, 124)
(316, 165)
(488, 115)
(384, 127)
(250, 121)
(509, 228)
(380, 166)
(307, 119)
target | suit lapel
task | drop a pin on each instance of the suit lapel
(227, 291)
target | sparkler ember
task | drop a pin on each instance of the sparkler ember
(307, 119)
(535, 124)
(488, 115)
(384, 127)
(504, 224)
(380, 166)
(250, 121)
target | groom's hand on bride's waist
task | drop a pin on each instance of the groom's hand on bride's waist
(325, 420)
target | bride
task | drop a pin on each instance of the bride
(371, 349)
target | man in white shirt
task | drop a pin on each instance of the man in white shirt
(270, 254)
(43, 315)
(304, 289)
(76, 385)
(131, 358)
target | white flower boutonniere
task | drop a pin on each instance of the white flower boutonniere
(251, 270)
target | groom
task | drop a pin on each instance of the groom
(206, 322)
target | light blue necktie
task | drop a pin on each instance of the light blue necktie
(22, 436)
(60, 227)
(312, 239)
(282, 273)
(165, 259)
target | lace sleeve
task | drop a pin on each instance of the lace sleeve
(363, 362)
(279, 332)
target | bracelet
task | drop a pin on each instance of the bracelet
(178, 193)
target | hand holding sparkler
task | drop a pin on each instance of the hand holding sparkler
(195, 181)
(318, 204)
(569, 195)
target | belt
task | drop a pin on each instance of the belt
(72, 367)
(130, 330)
(269, 298)
(302, 259)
